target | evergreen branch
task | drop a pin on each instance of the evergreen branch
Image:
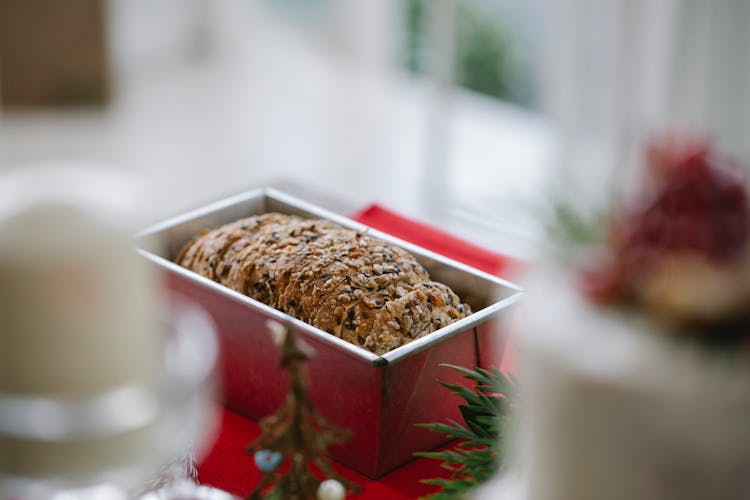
(479, 454)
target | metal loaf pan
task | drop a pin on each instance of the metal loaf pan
(378, 398)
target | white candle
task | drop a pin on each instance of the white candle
(77, 312)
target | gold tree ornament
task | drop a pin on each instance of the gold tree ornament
(296, 435)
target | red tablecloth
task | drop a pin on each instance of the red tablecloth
(229, 467)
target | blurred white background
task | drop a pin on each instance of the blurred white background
(352, 100)
(430, 107)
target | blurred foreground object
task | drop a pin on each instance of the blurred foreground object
(636, 375)
(637, 372)
(683, 250)
(99, 385)
(53, 53)
(77, 304)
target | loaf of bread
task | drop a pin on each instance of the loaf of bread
(356, 287)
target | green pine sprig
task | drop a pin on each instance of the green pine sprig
(572, 227)
(482, 433)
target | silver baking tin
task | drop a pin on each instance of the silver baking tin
(379, 399)
(485, 293)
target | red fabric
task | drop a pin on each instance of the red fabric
(229, 467)
(434, 239)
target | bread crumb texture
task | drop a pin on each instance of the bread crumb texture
(351, 285)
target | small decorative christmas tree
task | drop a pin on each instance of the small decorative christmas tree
(297, 434)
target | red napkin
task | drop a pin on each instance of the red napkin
(229, 467)
(434, 239)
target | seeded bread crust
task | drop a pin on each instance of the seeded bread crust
(356, 287)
